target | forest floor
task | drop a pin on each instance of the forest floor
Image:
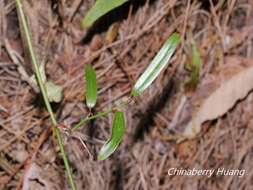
(120, 46)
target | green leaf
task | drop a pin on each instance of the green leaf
(118, 129)
(91, 86)
(157, 64)
(54, 92)
(194, 67)
(100, 8)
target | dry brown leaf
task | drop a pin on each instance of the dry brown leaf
(112, 33)
(213, 100)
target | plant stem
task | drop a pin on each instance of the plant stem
(101, 114)
(44, 93)
(65, 159)
(83, 121)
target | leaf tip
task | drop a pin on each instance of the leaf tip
(90, 104)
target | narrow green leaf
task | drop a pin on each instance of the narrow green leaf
(118, 129)
(157, 64)
(194, 67)
(100, 8)
(91, 86)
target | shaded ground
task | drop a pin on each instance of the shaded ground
(28, 154)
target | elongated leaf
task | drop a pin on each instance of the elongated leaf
(91, 86)
(100, 8)
(118, 129)
(157, 64)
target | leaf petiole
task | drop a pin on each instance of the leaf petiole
(83, 121)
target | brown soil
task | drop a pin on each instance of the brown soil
(29, 156)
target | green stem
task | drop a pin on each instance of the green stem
(83, 121)
(65, 159)
(44, 93)
(35, 62)
(101, 114)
